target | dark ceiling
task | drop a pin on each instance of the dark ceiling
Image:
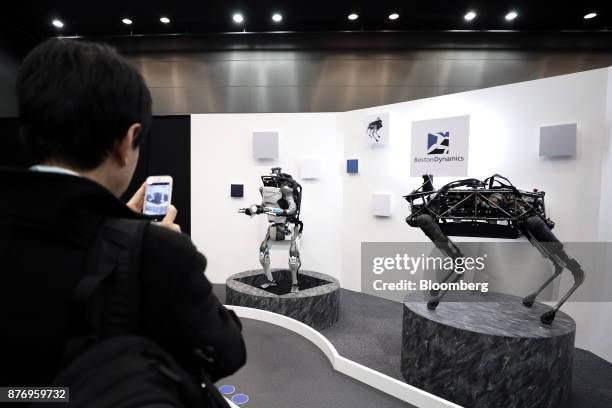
(103, 18)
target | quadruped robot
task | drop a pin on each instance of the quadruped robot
(491, 208)
(281, 201)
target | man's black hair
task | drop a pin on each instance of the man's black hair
(76, 100)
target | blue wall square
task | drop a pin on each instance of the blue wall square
(352, 166)
(237, 190)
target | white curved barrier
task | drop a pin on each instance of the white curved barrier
(382, 382)
(230, 403)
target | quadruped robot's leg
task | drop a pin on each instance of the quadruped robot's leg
(264, 259)
(540, 236)
(444, 244)
(294, 258)
(530, 299)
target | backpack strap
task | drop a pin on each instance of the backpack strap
(114, 262)
(108, 296)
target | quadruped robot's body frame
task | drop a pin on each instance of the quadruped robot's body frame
(281, 201)
(491, 208)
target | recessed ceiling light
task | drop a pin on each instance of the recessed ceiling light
(393, 16)
(353, 16)
(277, 17)
(127, 21)
(469, 16)
(238, 18)
(590, 16)
(57, 23)
(511, 16)
(164, 20)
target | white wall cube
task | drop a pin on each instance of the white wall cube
(381, 204)
(310, 168)
(265, 145)
(558, 140)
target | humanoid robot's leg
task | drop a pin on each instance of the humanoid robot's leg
(444, 244)
(541, 237)
(264, 259)
(294, 258)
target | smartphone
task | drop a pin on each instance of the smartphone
(158, 196)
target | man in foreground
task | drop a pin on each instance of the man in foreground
(84, 111)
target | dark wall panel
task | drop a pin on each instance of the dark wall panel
(167, 151)
(9, 63)
(11, 154)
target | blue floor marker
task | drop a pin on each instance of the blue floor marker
(240, 399)
(227, 389)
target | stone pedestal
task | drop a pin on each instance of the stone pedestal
(487, 350)
(316, 304)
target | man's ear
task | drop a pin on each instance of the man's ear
(124, 147)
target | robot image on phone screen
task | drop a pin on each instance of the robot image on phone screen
(157, 199)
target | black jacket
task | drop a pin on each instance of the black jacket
(48, 223)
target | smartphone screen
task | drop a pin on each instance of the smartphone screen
(157, 198)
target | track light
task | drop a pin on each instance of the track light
(590, 16)
(393, 16)
(57, 23)
(277, 17)
(126, 21)
(469, 16)
(238, 18)
(511, 16)
(164, 20)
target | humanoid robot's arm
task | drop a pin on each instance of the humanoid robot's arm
(255, 209)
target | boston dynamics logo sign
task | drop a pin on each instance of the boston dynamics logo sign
(437, 143)
(430, 144)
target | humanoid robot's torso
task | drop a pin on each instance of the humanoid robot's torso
(271, 197)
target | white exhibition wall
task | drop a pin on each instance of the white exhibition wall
(336, 209)
(222, 154)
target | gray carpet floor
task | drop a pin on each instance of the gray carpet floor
(369, 332)
(285, 370)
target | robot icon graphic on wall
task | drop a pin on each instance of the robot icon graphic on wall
(374, 129)
(438, 143)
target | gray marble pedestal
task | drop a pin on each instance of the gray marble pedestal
(316, 304)
(488, 350)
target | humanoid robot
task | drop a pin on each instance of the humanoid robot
(494, 209)
(281, 200)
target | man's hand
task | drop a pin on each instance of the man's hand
(168, 221)
(136, 203)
